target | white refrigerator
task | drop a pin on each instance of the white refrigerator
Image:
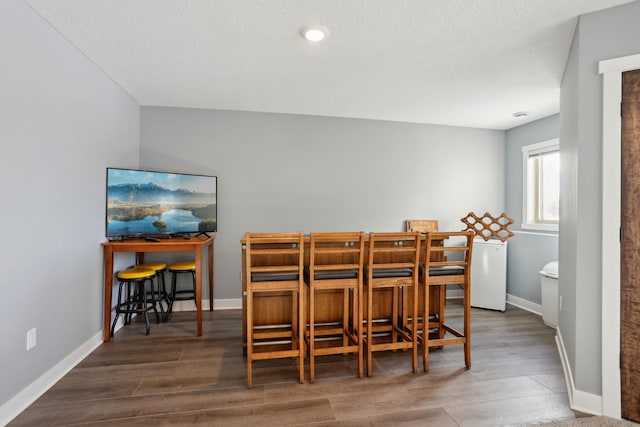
(489, 274)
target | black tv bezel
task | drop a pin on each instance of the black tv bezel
(120, 236)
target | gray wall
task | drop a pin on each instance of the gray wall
(303, 173)
(62, 121)
(528, 251)
(603, 35)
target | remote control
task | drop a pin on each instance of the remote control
(151, 239)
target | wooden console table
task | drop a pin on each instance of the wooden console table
(194, 244)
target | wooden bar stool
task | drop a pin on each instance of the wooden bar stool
(274, 269)
(335, 264)
(392, 267)
(447, 262)
(134, 301)
(422, 226)
(161, 294)
(178, 268)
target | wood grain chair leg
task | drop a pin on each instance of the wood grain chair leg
(442, 301)
(334, 276)
(312, 332)
(448, 262)
(369, 339)
(357, 322)
(392, 269)
(249, 339)
(301, 330)
(467, 326)
(425, 331)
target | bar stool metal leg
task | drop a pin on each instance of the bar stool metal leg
(188, 267)
(158, 291)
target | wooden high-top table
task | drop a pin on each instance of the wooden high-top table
(140, 246)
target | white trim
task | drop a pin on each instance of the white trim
(541, 227)
(528, 151)
(541, 147)
(218, 304)
(14, 406)
(619, 65)
(454, 294)
(612, 70)
(535, 233)
(578, 400)
(566, 367)
(227, 304)
(524, 304)
(586, 402)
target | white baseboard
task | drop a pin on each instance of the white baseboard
(227, 304)
(586, 402)
(524, 304)
(454, 294)
(578, 400)
(218, 304)
(13, 407)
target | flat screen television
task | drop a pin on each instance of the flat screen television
(142, 203)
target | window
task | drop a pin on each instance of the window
(541, 189)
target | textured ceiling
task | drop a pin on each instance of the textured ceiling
(453, 62)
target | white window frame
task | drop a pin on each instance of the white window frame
(528, 151)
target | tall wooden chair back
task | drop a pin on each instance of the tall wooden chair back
(275, 266)
(447, 261)
(392, 265)
(335, 265)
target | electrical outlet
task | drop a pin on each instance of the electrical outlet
(31, 338)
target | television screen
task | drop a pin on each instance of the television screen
(147, 203)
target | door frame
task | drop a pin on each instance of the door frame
(611, 71)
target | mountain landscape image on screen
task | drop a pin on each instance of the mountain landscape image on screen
(151, 208)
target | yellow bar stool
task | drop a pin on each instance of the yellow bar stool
(184, 267)
(158, 293)
(135, 300)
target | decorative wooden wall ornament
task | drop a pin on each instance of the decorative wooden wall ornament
(488, 226)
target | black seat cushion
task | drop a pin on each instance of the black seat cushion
(446, 271)
(351, 273)
(273, 276)
(380, 273)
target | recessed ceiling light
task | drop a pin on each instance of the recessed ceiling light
(314, 33)
(520, 114)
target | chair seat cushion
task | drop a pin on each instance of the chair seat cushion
(446, 271)
(273, 277)
(157, 266)
(136, 273)
(380, 273)
(183, 266)
(351, 273)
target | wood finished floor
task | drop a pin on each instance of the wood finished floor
(173, 378)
